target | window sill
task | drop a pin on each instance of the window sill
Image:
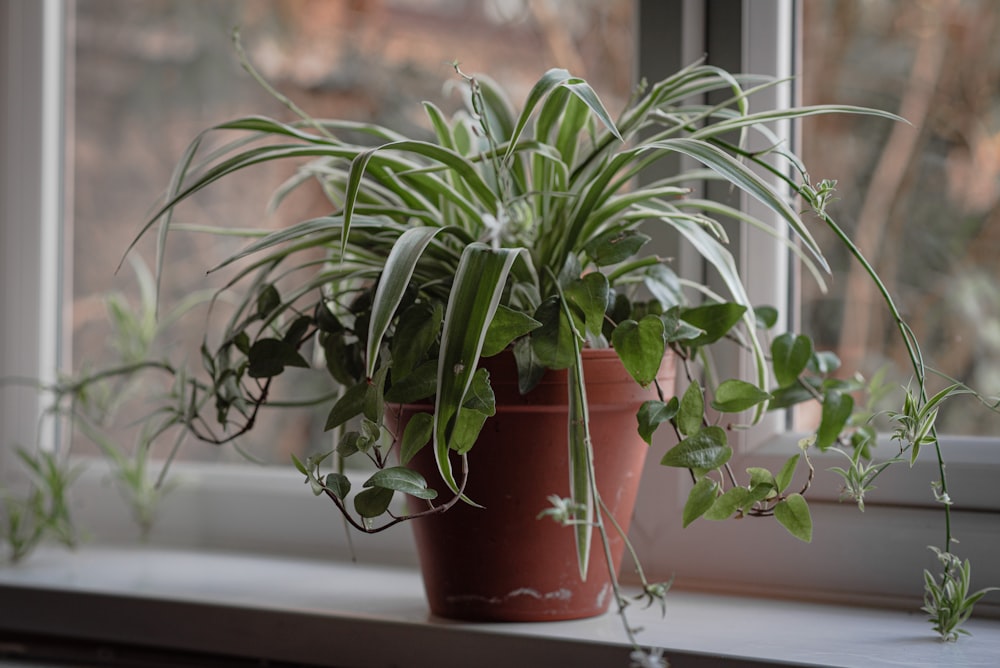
(297, 611)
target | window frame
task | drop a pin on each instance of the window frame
(851, 557)
(242, 508)
(32, 188)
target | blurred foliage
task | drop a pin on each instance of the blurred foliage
(924, 199)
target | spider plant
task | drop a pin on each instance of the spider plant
(513, 229)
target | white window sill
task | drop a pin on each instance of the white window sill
(312, 612)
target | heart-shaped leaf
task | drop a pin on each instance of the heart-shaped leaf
(507, 325)
(553, 342)
(269, 357)
(735, 395)
(373, 501)
(706, 449)
(416, 331)
(790, 355)
(699, 500)
(652, 414)
(691, 412)
(837, 409)
(793, 514)
(339, 484)
(416, 435)
(641, 347)
(615, 246)
(350, 404)
(714, 319)
(590, 294)
(735, 498)
(401, 479)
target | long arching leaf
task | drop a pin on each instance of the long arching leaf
(742, 177)
(479, 284)
(396, 276)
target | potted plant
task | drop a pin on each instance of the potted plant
(504, 258)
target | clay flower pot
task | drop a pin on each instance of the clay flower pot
(501, 562)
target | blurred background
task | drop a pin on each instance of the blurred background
(921, 199)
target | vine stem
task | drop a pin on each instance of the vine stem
(909, 340)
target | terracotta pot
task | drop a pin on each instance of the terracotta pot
(500, 562)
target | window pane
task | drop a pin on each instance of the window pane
(149, 75)
(921, 200)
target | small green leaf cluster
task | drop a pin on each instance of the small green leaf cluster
(44, 508)
(800, 374)
(949, 600)
(523, 230)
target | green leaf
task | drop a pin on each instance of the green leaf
(552, 342)
(790, 355)
(350, 404)
(700, 499)
(591, 294)
(373, 501)
(420, 384)
(767, 316)
(529, 369)
(793, 514)
(401, 479)
(351, 443)
(705, 449)
(416, 331)
(269, 357)
(677, 330)
(374, 406)
(416, 435)
(466, 430)
(652, 414)
(691, 413)
(299, 465)
(824, 362)
(478, 286)
(762, 483)
(297, 331)
(479, 396)
(339, 484)
(714, 319)
(735, 498)
(615, 246)
(641, 347)
(396, 274)
(743, 178)
(734, 396)
(837, 409)
(267, 300)
(784, 477)
(785, 397)
(343, 359)
(664, 284)
(508, 324)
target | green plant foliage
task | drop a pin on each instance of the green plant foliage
(654, 413)
(949, 600)
(520, 230)
(793, 514)
(641, 346)
(735, 395)
(705, 449)
(790, 354)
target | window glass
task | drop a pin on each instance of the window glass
(149, 75)
(920, 199)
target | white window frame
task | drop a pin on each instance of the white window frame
(31, 195)
(874, 557)
(241, 508)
